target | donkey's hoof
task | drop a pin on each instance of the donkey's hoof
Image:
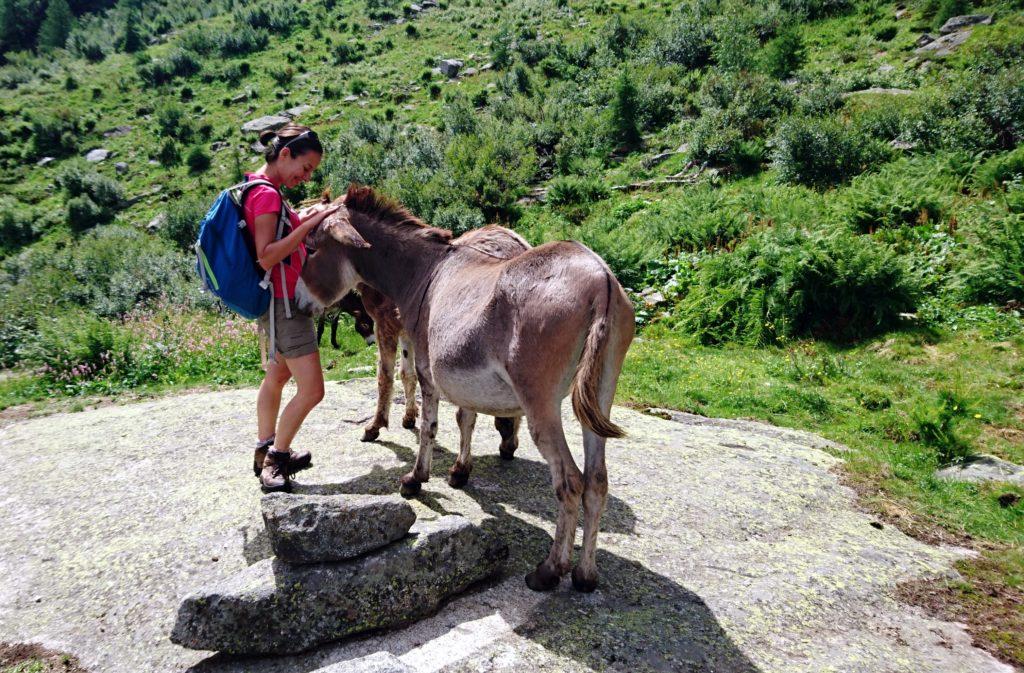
(370, 434)
(409, 423)
(507, 454)
(542, 579)
(458, 478)
(410, 486)
(582, 583)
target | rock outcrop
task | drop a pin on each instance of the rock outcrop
(274, 607)
(325, 528)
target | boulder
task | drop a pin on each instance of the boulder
(240, 98)
(121, 167)
(273, 607)
(351, 98)
(261, 124)
(219, 145)
(321, 528)
(157, 223)
(923, 40)
(117, 131)
(945, 45)
(294, 112)
(449, 67)
(960, 22)
(381, 662)
(98, 155)
(44, 161)
(983, 468)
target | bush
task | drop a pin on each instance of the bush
(784, 55)
(687, 40)
(904, 193)
(348, 53)
(181, 225)
(93, 199)
(784, 282)
(493, 167)
(822, 152)
(996, 171)
(937, 429)
(74, 345)
(282, 76)
(624, 113)
(278, 17)
(994, 268)
(178, 63)
(54, 134)
(576, 190)
(172, 122)
(458, 219)
(16, 225)
(987, 110)
(241, 40)
(169, 153)
(703, 219)
(198, 159)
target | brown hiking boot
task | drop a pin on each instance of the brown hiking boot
(300, 459)
(274, 475)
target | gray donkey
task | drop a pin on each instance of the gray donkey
(504, 337)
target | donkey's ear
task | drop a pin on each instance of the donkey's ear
(341, 230)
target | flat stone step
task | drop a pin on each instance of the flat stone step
(273, 607)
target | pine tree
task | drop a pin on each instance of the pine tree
(625, 112)
(56, 26)
(131, 40)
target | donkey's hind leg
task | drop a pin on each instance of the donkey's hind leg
(547, 433)
(508, 428)
(408, 373)
(386, 345)
(459, 474)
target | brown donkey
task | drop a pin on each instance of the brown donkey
(390, 337)
(505, 337)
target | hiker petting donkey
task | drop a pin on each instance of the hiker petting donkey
(292, 154)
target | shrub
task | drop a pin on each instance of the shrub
(181, 226)
(458, 219)
(987, 109)
(198, 159)
(348, 53)
(784, 55)
(704, 219)
(492, 167)
(999, 169)
(994, 268)
(241, 40)
(822, 152)
(74, 345)
(16, 224)
(904, 193)
(784, 282)
(93, 199)
(178, 63)
(172, 121)
(169, 154)
(54, 134)
(624, 112)
(277, 17)
(936, 428)
(576, 190)
(687, 39)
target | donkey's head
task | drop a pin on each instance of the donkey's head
(329, 274)
(339, 258)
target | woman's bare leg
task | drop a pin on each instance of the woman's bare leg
(309, 377)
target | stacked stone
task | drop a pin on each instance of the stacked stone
(344, 564)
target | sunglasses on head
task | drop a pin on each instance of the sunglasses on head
(308, 133)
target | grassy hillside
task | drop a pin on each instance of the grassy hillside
(821, 221)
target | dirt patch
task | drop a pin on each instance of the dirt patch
(992, 610)
(12, 654)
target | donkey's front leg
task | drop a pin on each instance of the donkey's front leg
(410, 483)
(408, 372)
(458, 476)
(386, 345)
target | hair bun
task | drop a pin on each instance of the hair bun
(267, 137)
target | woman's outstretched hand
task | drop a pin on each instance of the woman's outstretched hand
(315, 214)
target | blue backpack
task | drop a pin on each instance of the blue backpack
(226, 254)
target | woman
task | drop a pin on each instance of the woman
(292, 154)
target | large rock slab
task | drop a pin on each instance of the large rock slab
(956, 23)
(324, 528)
(268, 122)
(945, 45)
(273, 607)
(725, 546)
(984, 468)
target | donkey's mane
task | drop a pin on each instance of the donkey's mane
(368, 202)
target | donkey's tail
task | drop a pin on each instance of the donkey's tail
(586, 385)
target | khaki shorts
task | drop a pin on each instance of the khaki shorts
(295, 336)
